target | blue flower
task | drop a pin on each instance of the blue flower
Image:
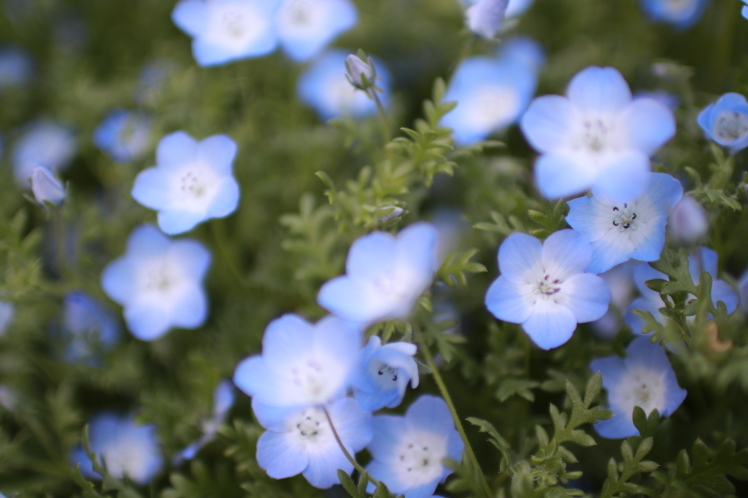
(492, 93)
(745, 9)
(726, 121)
(301, 441)
(46, 188)
(226, 30)
(159, 283)
(46, 144)
(644, 379)
(301, 364)
(7, 312)
(703, 259)
(650, 300)
(544, 287)
(325, 88)
(408, 452)
(681, 14)
(153, 76)
(485, 17)
(383, 374)
(742, 290)
(621, 283)
(192, 181)
(88, 328)
(223, 400)
(306, 26)
(597, 136)
(124, 135)
(622, 231)
(125, 448)
(515, 8)
(16, 67)
(688, 221)
(384, 275)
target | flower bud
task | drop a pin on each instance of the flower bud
(688, 221)
(361, 73)
(46, 187)
(486, 17)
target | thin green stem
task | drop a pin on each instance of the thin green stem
(345, 451)
(60, 238)
(226, 256)
(386, 133)
(448, 399)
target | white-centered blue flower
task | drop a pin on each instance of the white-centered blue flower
(408, 452)
(649, 300)
(88, 328)
(325, 88)
(596, 136)
(485, 17)
(159, 283)
(726, 121)
(45, 144)
(620, 280)
(16, 67)
(622, 231)
(127, 449)
(46, 188)
(688, 221)
(301, 364)
(682, 14)
(123, 135)
(306, 26)
(385, 275)
(226, 30)
(192, 181)
(544, 287)
(644, 379)
(223, 400)
(383, 374)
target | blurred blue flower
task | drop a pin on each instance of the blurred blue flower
(325, 88)
(7, 312)
(703, 259)
(620, 279)
(227, 30)
(544, 288)
(597, 136)
(383, 374)
(650, 300)
(644, 379)
(385, 275)
(726, 121)
(45, 144)
(125, 448)
(152, 78)
(16, 67)
(688, 221)
(742, 290)
(88, 328)
(192, 181)
(159, 283)
(622, 231)
(306, 26)
(682, 14)
(124, 135)
(669, 100)
(223, 400)
(46, 188)
(745, 9)
(514, 8)
(485, 17)
(301, 441)
(408, 452)
(301, 364)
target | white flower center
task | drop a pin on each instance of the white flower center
(642, 387)
(596, 135)
(730, 126)
(310, 375)
(310, 428)
(390, 285)
(420, 457)
(160, 281)
(492, 107)
(194, 187)
(235, 25)
(298, 16)
(384, 375)
(679, 7)
(624, 218)
(546, 287)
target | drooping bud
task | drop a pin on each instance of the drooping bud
(46, 187)
(688, 221)
(360, 71)
(486, 17)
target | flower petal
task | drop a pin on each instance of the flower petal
(599, 90)
(191, 16)
(151, 188)
(219, 152)
(625, 178)
(588, 296)
(565, 253)
(547, 121)
(278, 456)
(648, 124)
(175, 150)
(520, 254)
(550, 325)
(562, 175)
(507, 301)
(176, 221)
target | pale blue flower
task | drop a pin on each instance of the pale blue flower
(153, 76)
(301, 364)
(703, 259)
(682, 14)
(88, 328)
(124, 135)
(301, 441)
(644, 379)
(743, 291)
(597, 136)
(726, 121)
(649, 300)
(46, 188)
(226, 30)
(325, 88)
(383, 374)
(305, 27)
(745, 9)
(7, 313)
(159, 283)
(544, 287)
(127, 449)
(620, 279)
(688, 221)
(16, 67)
(515, 8)
(622, 231)
(45, 144)
(408, 452)
(192, 181)
(223, 400)
(485, 17)
(385, 275)
(667, 99)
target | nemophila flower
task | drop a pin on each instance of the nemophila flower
(644, 379)
(159, 283)
(226, 30)
(125, 448)
(544, 287)
(301, 364)
(682, 14)
(522, 49)
(596, 136)
(649, 300)
(301, 440)
(16, 67)
(703, 259)
(629, 230)
(46, 188)
(688, 221)
(45, 144)
(306, 26)
(408, 452)
(745, 10)
(192, 181)
(383, 374)
(325, 88)
(7, 312)
(514, 8)
(123, 135)
(726, 121)
(223, 400)
(620, 280)
(385, 274)
(87, 327)
(485, 17)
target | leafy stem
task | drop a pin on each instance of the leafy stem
(346, 452)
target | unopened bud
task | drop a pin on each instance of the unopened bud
(395, 213)
(46, 187)
(361, 73)
(688, 221)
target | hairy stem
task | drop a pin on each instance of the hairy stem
(345, 451)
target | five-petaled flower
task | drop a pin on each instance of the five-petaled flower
(305, 26)
(383, 374)
(726, 121)
(123, 135)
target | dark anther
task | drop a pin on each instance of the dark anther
(634, 216)
(379, 372)
(615, 209)
(394, 378)
(555, 281)
(626, 225)
(625, 205)
(615, 224)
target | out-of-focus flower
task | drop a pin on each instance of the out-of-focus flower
(127, 449)
(667, 99)
(743, 291)
(87, 327)
(16, 67)
(682, 14)
(159, 283)
(46, 144)
(7, 312)
(688, 221)
(620, 279)
(597, 136)
(745, 9)
(514, 8)
(485, 17)
(644, 379)
(152, 78)
(46, 188)
(726, 121)
(123, 135)
(192, 181)
(223, 400)
(306, 26)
